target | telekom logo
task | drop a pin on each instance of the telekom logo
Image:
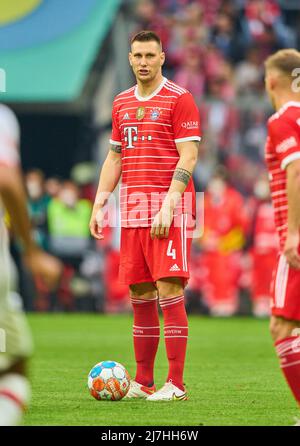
(131, 136)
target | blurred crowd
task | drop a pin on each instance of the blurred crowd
(235, 254)
(60, 212)
(232, 260)
(216, 50)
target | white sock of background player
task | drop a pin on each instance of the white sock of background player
(15, 394)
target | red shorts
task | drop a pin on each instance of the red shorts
(145, 260)
(263, 267)
(285, 291)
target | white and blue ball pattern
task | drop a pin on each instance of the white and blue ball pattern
(108, 380)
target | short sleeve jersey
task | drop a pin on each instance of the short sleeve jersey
(282, 147)
(9, 139)
(147, 130)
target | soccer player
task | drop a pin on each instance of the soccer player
(283, 161)
(16, 344)
(154, 145)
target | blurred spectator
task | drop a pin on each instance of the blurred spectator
(52, 187)
(68, 221)
(222, 241)
(225, 38)
(254, 136)
(191, 75)
(188, 31)
(249, 73)
(220, 119)
(263, 19)
(38, 202)
(243, 172)
(220, 83)
(205, 165)
(149, 16)
(259, 14)
(210, 10)
(84, 174)
(69, 239)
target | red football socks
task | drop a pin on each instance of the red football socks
(288, 351)
(176, 334)
(145, 338)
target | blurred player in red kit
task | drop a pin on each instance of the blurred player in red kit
(154, 145)
(283, 161)
(222, 241)
(264, 248)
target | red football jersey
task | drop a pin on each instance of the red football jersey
(265, 235)
(282, 147)
(147, 129)
(224, 215)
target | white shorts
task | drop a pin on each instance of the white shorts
(15, 337)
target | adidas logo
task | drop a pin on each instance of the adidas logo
(126, 116)
(175, 267)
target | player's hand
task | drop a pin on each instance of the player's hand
(43, 266)
(161, 224)
(291, 249)
(96, 223)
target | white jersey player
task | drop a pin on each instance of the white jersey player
(15, 338)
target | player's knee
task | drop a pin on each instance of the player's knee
(169, 288)
(274, 328)
(281, 328)
(142, 291)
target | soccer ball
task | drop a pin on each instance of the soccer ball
(108, 380)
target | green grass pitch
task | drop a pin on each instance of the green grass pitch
(232, 374)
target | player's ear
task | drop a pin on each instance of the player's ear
(130, 58)
(272, 79)
(272, 82)
(162, 58)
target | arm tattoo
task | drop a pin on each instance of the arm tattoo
(182, 175)
(116, 149)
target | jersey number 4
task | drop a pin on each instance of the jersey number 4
(171, 252)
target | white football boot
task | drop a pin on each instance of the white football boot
(168, 392)
(137, 390)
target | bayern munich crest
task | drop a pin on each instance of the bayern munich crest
(154, 114)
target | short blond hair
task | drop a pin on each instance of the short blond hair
(286, 61)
